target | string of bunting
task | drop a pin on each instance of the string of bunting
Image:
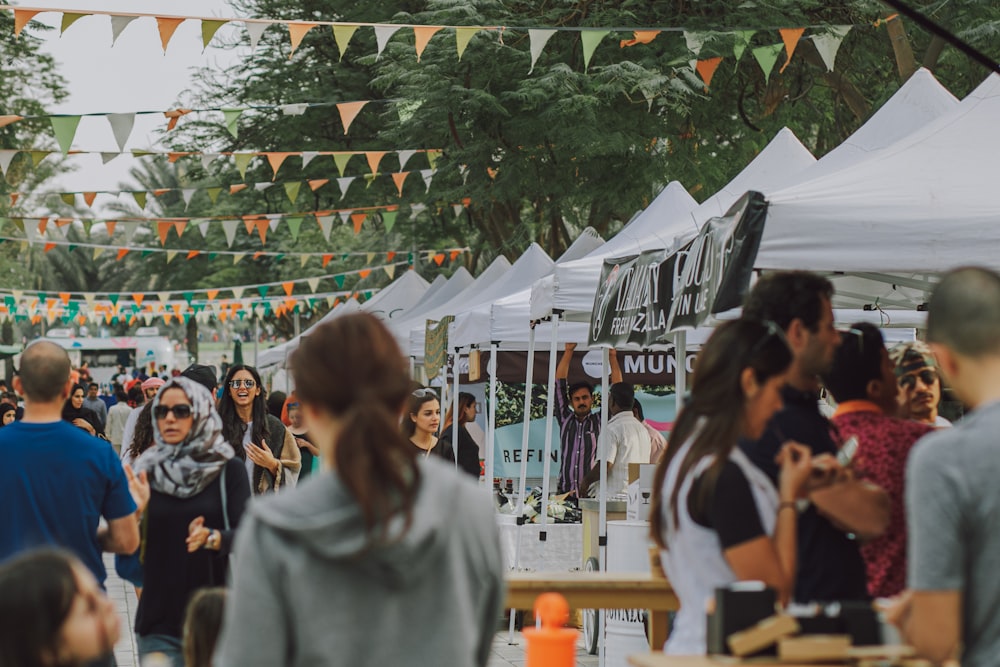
(436, 256)
(242, 160)
(343, 32)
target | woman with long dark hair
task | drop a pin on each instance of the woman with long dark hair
(422, 419)
(716, 517)
(79, 416)
(403, 544)
(468, 450)
(53, 613)
(198, 492)
(261, 441)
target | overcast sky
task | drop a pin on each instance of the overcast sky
(135, 75)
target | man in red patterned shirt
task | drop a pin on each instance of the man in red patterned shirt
(863, 382)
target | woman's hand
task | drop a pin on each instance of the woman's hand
(138, 486)
(262, 456)
(796, 464)
(85, 425)
(197, 534)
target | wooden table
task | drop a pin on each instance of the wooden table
(660, 660)
(599, 590)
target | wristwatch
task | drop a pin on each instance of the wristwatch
(214, 540)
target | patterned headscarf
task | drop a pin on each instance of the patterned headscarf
(185, 469)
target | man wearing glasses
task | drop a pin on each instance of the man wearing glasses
(919, 384)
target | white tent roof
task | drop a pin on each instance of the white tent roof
(924, 205)
(393, 301)
(575, 283)
(278, 355)
(445, 303)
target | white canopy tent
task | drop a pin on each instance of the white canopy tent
(458, 283)
(575, 284)
(393, 301)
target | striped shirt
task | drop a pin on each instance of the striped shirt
(577, 440)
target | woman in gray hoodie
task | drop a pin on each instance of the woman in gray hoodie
(385, 558)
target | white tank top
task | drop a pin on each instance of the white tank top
(694, 562)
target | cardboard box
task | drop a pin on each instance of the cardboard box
(640, 481)
(762, 635)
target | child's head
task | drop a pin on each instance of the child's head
(53, 612)
(202, 624)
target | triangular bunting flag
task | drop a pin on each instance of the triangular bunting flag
(22, 17)
(706, 70)
(364, 273)
(276, 160)
(422, 35)
(68, 19)
(289, 287)
(303, 260)
(48, 246)
(342, 35)
(213, 194)
(462, 38)
(374, 158)
(138, 297)
(65, 129)
(432, 158)
(790, 36)
(343, 184)
(313, 284)
(170, 255)
(339, 281)
(639, 37)
(439, 258)
(121, 253)
(399, 179)
(121, 127)
(255, 29)
(292, 190)
(325, 223)
(262, 230)
(38, 156)
(348, 112)
(766, 57)
(358, 219)
(316, 183)
(296, 31)
(110, 227)
(341, 160)
(695, 41)
(68, 198)
(6, 157)
(237, 257)
(389, 220)
(162, 229)
(590, 39)
(208, 30)
(231, 118)
(294, 225)
(242, 161)
(9, 119)
(233, 189)
(89, 198)
(382, 35)
(193, 253)
(427, 175)
(211, 294)
(829, 43)
(167, 27)
(118, 24)
(307, 157)
(404, 157)
(741, 40)
(538, 38)
(390, 270)
(326, 260)
(207, 159)
(179, 227)
(140, 199)
(108, 157)
(229, 227)
(345, 216)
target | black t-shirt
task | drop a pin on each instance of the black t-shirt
(307, 457)
(830, 566)
(170, 574)
(468, 450)
(731, 510)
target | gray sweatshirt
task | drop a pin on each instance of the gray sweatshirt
(303, 594)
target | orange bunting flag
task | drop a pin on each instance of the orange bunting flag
(233, 189)
(296, 31)
(399, 179)
(317, 183)
(492, 173)
(178, 308)
(275, 160)
(43, 224)
(790, 36)
(167, 26)
(358, 219)
(257, 255)
(326, 260)
(179, 227)
(174, 156)
(89, 197)
(422, 35)
(248, 223)
(374, 158)
(121, 253)
(193, 254)
(163, 228)
(14, 196)
(173, 116)
(348, 112)
(110, 226)
(364, 273)
(7, 120)
(64, 297)
(49, 246)
(389, 256)
(21, 19)
(289, 287)
(211, 294)
(439, 258)
(640, 37)
(262, 230)
(138, 298)
(454, 255)
(706, 70)
(159, 192)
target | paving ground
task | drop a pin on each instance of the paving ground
(123, 595)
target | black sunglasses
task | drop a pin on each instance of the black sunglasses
(928, 376)
(249, 384)
(772, 330)
(180, 411)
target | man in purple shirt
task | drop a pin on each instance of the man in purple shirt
(579, 426)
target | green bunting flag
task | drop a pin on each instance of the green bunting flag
(208, 30)
(294, 224)
(767, 56)
(232, 117)
(342, 34)
(741, 42)
(292, 190)
(65, 129)
(462, 38)
(389, 219)
(590, 39)
(242, 161)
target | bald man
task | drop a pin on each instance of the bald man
(58, 481)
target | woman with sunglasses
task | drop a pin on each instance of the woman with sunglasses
(716, 517)
(422, 420)
(269, 452)
(198, 492)
(468, 450)
(386, 557)
(291, 417)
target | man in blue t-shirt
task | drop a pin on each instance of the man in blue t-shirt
(57, 481)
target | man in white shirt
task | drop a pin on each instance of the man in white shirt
(623, 441)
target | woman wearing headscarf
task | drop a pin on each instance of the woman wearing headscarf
(198, 492)
(269, 452)
(79, 416)
(8, 413)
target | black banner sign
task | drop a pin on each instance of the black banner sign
(633, 299)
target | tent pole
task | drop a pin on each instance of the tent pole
(602, 516)
(491, 418)
(522, 491)
(549, 423)
(680, 369)
(454, 407)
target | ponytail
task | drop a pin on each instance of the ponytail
(378, 467)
